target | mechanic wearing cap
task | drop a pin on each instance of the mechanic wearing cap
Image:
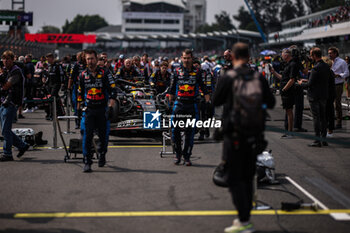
(166, 59)
(96, 90)
(160, 79)
(184, 88)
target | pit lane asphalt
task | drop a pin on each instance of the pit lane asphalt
(137, 179)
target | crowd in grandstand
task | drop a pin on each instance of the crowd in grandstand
(342, 14)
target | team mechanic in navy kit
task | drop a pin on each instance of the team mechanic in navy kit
(184, 89)
(160, 79)
(76, 70)
(96, 90)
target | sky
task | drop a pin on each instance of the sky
(53, 12)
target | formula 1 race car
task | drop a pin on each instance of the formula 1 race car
(131, 104)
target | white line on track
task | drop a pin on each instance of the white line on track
(336, 216)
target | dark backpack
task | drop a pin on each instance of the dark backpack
(247, 117)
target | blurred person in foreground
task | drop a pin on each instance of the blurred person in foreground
(243, 133)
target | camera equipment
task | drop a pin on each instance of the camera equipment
(265, 169)
(300, 55)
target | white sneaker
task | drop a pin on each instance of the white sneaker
(239, 227)
(28, 110)
(329, 135)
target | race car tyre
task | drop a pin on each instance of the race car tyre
(115, 112)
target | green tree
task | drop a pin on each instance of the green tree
(223, 23)
(332, 3)
(245, 20)
(314, 5)
(270, 13)
(251, 26)
(267, 13)
(299, 4)
(86, 23)
(288, 11)
(49, 29)
(205, 28)
(319, 5)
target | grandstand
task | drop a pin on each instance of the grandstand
(324, 28)
(110, 39)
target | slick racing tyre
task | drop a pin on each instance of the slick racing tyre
(115, 112)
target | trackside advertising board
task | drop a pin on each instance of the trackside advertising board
(61, 38)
